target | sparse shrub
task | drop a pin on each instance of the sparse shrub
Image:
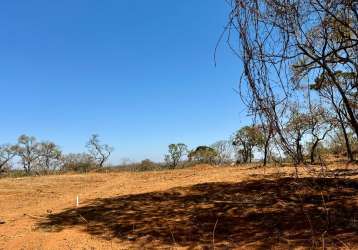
(78, 162)
(145, 165)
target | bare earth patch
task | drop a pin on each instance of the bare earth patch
(203, 207)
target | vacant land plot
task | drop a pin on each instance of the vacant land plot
(202, 207)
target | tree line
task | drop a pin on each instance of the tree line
(45, 156)
(254, 143)
(310, 132)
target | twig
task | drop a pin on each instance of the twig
(344, 244)
(214, 232)
(326, 211)
(173, 238)
(34, 217)
(323, 241)
(82, 218)
(243, 203)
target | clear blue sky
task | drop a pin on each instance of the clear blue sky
(139, 73)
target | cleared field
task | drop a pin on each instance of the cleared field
(201, 207)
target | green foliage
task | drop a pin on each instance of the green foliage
(246, 139)
(203, 154)
(147, 165)
(175, 154)
(343, 78)
(50, 155)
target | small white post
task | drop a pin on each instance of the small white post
(77, 201)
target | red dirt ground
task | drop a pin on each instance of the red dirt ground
(203, 207)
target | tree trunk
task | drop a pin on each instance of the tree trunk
(245, 154)
(250, 155)
(267, 143)
(348, 145)
(313, 150)
(3, 164)
(102, 162)
(346, 139)
(352, 118)
(27, 167)
(299, 155)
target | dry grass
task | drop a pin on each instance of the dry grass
(251, 207)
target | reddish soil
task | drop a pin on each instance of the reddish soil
(203, 207)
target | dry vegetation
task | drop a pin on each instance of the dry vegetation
(299, 83)
(199, 207)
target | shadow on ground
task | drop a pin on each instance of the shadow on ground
(259, 214)
(343, 173)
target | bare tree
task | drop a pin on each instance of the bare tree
(224, 149)
(267, 133)
(283, 44)
(50, 155)
(320, 124)
(297, 126)
(100, 152)
(175, 154)
(27, 149)
(7, 153)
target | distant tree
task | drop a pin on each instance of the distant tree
(337, 143)
(224, 150)
(27, 149)
(77, 162)
(246, 139)
(297, 126)
(264, 140)
(203, 154)
(100, 152)
(320, 124)
(175, 154)
(7, 153)
(146, 165)
(50, 155)
(125, 161)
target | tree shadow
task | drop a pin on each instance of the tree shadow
(343, 172)
(260, 214)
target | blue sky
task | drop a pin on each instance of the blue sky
(139, 73)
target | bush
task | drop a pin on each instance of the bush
(145, 165)
(78, 163)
